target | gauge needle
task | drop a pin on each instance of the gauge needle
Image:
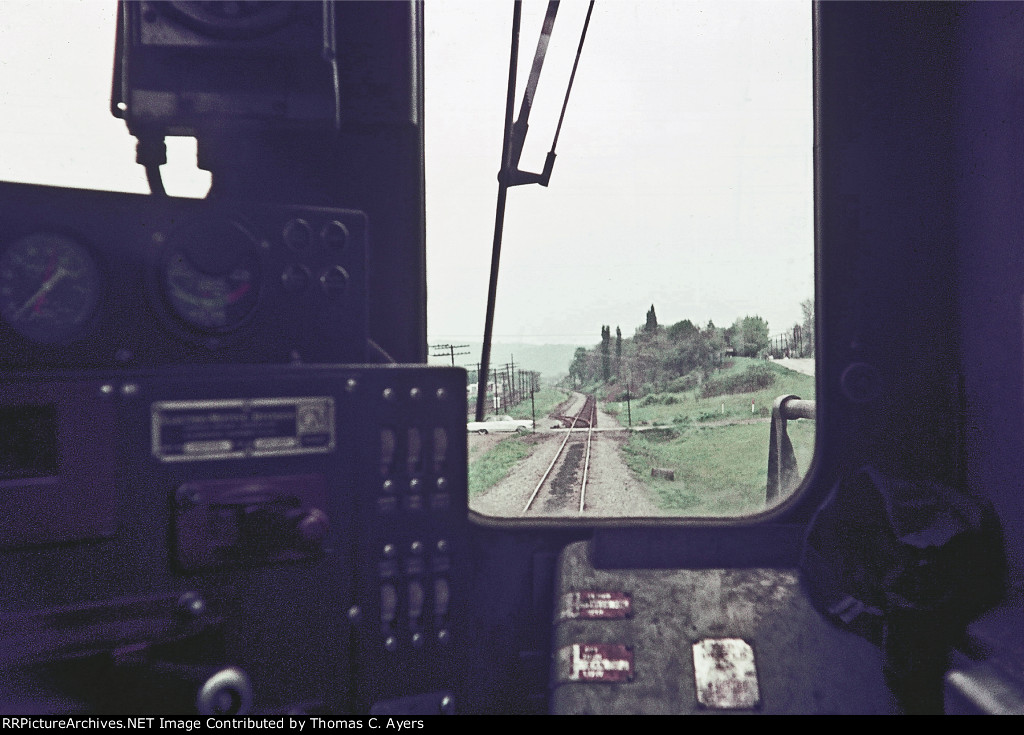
(47, 286)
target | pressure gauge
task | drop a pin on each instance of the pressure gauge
(210, 276)
(49, 287)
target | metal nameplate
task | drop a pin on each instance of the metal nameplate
(596, 662)
(192, 431)
(591, 605)
(725, 673)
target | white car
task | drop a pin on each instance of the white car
(496, 424)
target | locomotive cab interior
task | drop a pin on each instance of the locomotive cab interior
(230, 483)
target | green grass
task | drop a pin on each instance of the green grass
(488, 469)
(687, 406)
(546, 399)
(719, 470)
(491, 468)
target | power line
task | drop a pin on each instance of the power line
(448, 349)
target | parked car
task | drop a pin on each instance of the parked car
(497, 424)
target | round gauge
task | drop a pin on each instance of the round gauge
(210, 276)
(49, 287)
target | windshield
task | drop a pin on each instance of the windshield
(657, 296)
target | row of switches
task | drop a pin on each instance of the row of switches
(413, 450)
(415, 597)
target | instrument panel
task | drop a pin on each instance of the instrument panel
(303, 528)
(196, 281)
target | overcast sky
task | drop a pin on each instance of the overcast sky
(683, 178)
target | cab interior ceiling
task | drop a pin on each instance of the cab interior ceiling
(912, 509)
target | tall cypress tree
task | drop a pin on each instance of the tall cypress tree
(652, 321)
(618, 350)
(606, 349)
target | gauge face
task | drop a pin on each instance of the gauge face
(49, 288)
(210, 277)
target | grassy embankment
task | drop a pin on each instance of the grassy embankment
(490, 468)
(719, 469)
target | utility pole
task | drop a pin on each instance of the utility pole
(448, 350)
(533, 409)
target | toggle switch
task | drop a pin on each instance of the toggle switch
(440, 449)
(441, 597)
(416, 598)
(414, 451)
(387, 451)
(388, 604)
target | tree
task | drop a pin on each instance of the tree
(618, 350)
(807, 333)
(734, 337)
(716, 341)
(652, 321)
(748, 336)
(694, 352)
(578, 366)
(755, 334)
(606, 348)
(682, 330)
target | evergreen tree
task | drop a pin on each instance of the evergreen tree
(618, 350)
(606, 347)
(652, 321)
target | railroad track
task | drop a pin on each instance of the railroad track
(584, 419)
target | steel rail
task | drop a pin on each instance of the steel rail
(588, 401)
(548, 471)
(586, 462)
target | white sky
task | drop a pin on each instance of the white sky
(683, 178)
